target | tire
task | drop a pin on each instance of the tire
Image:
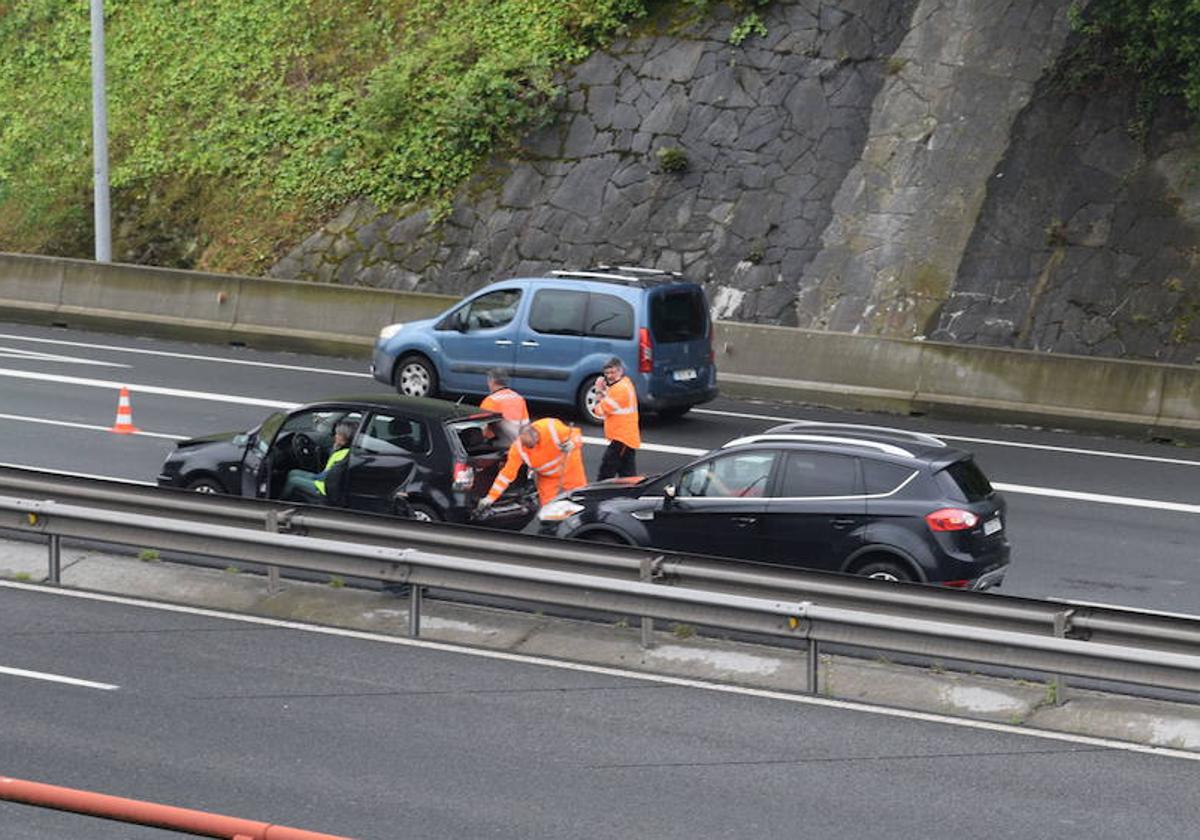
(204, 485)
(421, 512)
(415, 376)
(586, 399)
(674, 412)
(603, 537)
(885, 570)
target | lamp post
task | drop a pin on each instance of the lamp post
(103, 221)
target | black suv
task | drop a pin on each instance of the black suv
(879, 502)
(411, 456)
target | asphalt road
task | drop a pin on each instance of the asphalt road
(1092, 518)
(388, 739)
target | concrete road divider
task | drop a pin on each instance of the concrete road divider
(838, 369)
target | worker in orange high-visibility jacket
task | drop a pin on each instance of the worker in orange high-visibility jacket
(553, 453)
(506, 402)
(619, 407)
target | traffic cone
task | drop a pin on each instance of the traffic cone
(124, 424)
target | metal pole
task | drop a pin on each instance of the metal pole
(1060, 630)
(103, 220)
(55, 558)
(272, 525)
(814, 660)
(646, 575)
(414, 610)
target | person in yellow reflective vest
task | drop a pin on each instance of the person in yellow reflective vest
(619, 407)
(315, 488)
(552, 451)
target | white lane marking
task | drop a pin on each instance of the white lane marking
(1099, 498)
(193, 356)
(33, 355)
(146, 389)
(56, 678)
(79, 474)
(89, 426)
(1070, 450)
(653, 447)
(680, 682)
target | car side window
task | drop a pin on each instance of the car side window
(387, 434)
(882, 477)
(486, 312)
(737, 475)
(558, 312)
(819, 474)
(608, 317)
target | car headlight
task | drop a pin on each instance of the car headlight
(559, 510)
(389, 331)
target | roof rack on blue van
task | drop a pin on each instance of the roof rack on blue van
(633, 275)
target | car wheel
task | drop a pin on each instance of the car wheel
(587, 399)
(422, 512)
(674, 412)
(205, 485)
(885, 570)
(603, 537)
(415, 377)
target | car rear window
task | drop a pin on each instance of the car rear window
(678, 315)
(964, 481)
(883, 478)
(558, 312)
(609, 317)
(484, 436)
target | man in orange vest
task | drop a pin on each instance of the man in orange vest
(505, 401)
(619, 407)
(553, 453)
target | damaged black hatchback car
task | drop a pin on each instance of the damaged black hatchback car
(414, 457)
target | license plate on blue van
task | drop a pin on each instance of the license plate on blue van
(684, 375)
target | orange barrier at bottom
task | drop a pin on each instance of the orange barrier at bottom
(184, 820)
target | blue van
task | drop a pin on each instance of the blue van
(554, 334)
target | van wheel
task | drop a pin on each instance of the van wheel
(885, 570)
(205, 485)
(587, 399)
(415, 377)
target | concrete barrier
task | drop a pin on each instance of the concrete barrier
(838, 369)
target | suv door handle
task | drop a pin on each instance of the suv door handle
(843, 523)
(503, 342)
(528, 343)
(743, 521)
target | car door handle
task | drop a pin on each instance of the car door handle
(843, 523)
(530, 344)
(743, 521)
(503, 342)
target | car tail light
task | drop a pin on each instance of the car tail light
(951, 519)
(956, 584)
(464, 476)
(645, 351)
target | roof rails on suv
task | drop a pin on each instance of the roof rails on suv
(633, 275)
(880, 433)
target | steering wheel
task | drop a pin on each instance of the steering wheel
(305, 452)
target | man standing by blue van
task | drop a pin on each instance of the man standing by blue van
(619, 407)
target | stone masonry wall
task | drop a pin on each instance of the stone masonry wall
(903, 168)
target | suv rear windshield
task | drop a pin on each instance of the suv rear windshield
(963, 480)
(678, 315)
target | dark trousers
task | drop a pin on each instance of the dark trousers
(618, 459)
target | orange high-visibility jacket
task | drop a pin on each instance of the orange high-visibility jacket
(556, 463)
(508, 402)
(620, 412)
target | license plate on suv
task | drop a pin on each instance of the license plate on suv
(684, 375)
(992, 526)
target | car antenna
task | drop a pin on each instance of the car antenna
(460, 399)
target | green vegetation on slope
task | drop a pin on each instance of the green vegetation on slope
(235, 123)
(1156, 42)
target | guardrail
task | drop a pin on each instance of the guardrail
(1099, 643)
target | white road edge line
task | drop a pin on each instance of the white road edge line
(79, 474)
(56, 678)
(681, 682)
(88, 426)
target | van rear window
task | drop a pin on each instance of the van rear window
(964, 481)
(678, 315)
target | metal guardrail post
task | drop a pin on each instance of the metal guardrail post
(646, 575)
(415, 596)
(272, 525)
(814, 664)
(1062, 620)
(55, 558)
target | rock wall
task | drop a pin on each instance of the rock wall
(902, 168)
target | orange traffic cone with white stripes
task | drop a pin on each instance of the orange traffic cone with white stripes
(124, 424)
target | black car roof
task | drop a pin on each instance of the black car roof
(423, 407)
